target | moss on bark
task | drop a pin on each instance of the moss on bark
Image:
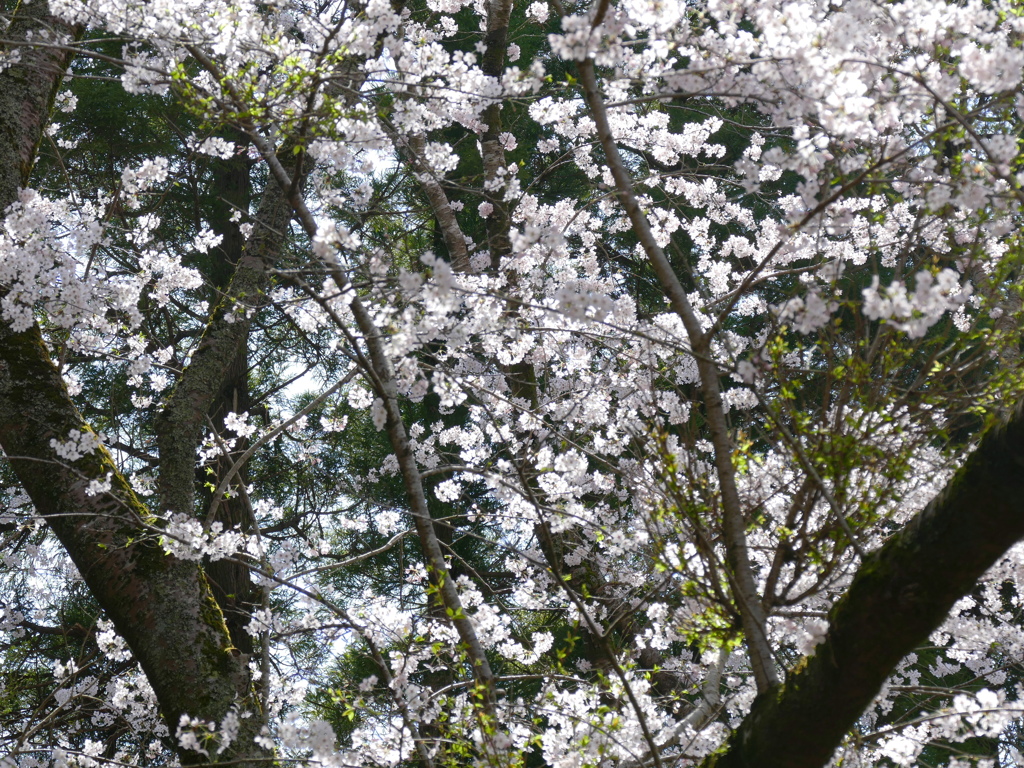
(899, 596)
(162, 606)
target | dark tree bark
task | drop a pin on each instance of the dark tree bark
(162, 606)
(231, 190)
(900, 595)
(27, 91)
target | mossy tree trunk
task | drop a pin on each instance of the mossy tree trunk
(898, 597)
(230, 190)
(162, 606)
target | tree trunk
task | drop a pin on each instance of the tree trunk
(230, 580)
(162, 606)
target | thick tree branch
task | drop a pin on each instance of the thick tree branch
(491, 151)
(413, 149)
(900, 595)
(382, 372)
(181, 423)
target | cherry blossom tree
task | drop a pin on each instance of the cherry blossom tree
(458, 383)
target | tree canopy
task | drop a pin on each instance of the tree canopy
(624, 385)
